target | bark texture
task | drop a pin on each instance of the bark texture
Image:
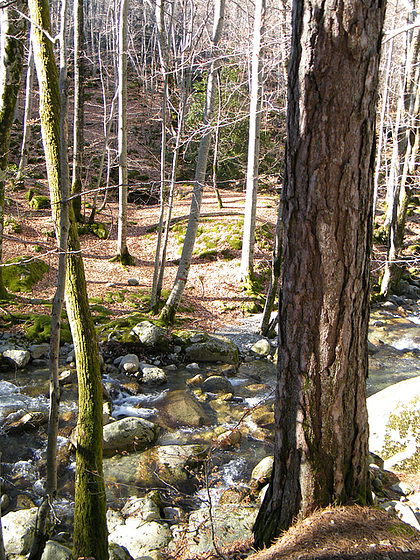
(321, 440)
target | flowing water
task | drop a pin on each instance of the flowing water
(394, 356)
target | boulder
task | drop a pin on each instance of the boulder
(141, 508)
(118, 552)
(394, 425)
(129, 363)
(202, 347)
(261, 473)
(129, 434)
(217, 384)
(230, 524)
(173, 465)
(141, 538)
(17, 358)
(153, 375)
(180, 408)
(151, 336)
(19, 530)
(39, 350)
(261, 348)
(56, 551)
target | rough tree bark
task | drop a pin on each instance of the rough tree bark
(321, 424)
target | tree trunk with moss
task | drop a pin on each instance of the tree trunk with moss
(90, 529)
(11, 64)
(321, 423)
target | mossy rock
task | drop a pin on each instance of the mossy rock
(100, 230)
(38, 329)
(23, 272)
(39, 202)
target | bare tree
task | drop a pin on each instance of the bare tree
(123, 254)
(168, 312)
(247, 259)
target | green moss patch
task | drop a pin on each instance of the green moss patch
(38, 329)
(97, 228)
(20, 274)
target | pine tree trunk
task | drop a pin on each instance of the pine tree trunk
(321, 423)
(11, 64)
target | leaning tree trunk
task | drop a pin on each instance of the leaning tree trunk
(90, 529)
(27, 115)
(11, 64)
(168, 312)
(321, 424)
(40, 535)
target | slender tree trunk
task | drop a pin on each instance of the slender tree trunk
(78, 120)
(122, 250)
(40, 536)
(30, 73)
(11, 64)
(216, 144)
(168, 312)
(321, 423)
(248, 242)
(266, 323)
(90, 530)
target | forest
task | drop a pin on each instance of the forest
(187, 164)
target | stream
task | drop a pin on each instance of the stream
(394, 351)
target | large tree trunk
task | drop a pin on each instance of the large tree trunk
(321, 424)
(11, 64)
(90, 530)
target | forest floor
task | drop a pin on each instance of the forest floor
(213, 295)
